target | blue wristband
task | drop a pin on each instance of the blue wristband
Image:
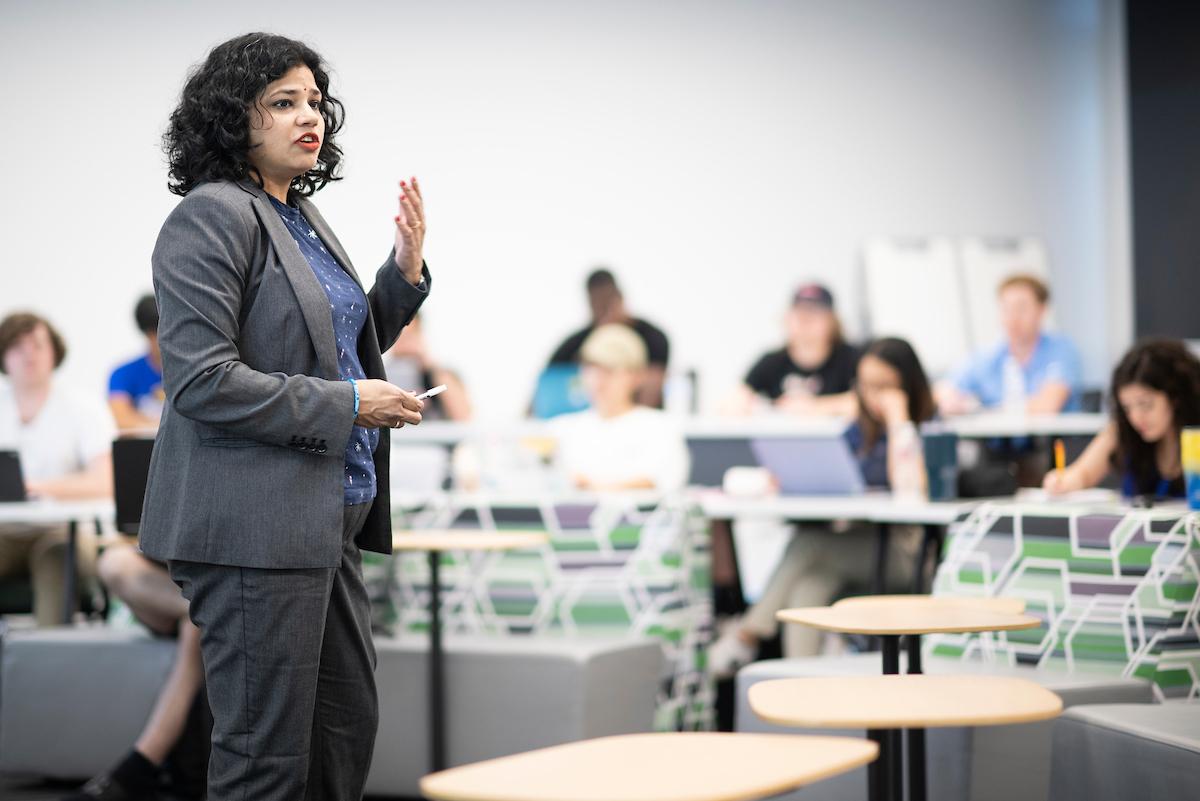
(354, 385)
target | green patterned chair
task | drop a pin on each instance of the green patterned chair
(1117, 591)
(615, 566)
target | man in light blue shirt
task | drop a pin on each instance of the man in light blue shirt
(1031, 372)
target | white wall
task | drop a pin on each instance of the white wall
(714, 154)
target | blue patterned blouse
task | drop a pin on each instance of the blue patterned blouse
(348, 307)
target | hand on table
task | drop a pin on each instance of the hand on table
(1061, 482)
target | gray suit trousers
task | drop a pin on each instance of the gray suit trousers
(289, 665)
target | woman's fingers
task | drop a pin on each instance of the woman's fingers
(410, 213)
(407, 417)
(406, 230)
(413, 190)
(409, 402)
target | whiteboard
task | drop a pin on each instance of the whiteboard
(914, 291)
(986, 262)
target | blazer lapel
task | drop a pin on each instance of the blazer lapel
(314, 303)
(309, 210)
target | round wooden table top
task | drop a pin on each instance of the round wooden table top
(691, 766)
(1011, 606)
(457, 539)
(904, 617)
(902, 702)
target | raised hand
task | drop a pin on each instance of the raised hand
(410, 231)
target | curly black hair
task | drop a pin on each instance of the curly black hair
(208, 137)
(1165, 365)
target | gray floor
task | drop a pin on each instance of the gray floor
(12, 790)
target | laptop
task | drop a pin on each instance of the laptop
(711, 457)
(559, 391)
(131, 469)
(12, 480)
(811, 465)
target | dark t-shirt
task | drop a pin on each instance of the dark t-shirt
(657, 346)
(776, 374)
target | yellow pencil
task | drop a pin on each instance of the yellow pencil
(1060, 456)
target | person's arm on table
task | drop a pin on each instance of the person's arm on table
(741, 402)
(905, 456)
(126, 414)
(1050, 399)
(94, 481)
(952, 401)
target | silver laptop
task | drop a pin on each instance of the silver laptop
(811, 465)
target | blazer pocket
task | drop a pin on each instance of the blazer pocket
(230, 442)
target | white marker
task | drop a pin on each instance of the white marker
(429, 393)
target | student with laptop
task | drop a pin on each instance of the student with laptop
(813, 373)
(893, 398)
(607, 304)
(618, 444)
(1155, 395)
(64, 441)
(135, 392)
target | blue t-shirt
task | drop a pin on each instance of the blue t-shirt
(348, 307)
(873, 463)
(142, 382)
(1054, 359)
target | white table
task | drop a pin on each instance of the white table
(988, 425)
(873, 507)
(50, 513)
(983, 425)
(881, 508)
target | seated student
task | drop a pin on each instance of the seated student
(893, 399)
(607, 304)
(1031, 372)
(813, 373)
(1155, 395)
(617, 444)
(154, 599)
(409, 366)
(65, 446)
(135, 393)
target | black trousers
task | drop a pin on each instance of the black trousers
(290, 669)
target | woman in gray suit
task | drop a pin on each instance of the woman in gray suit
(270, 470)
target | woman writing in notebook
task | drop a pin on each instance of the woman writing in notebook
(1155, 395)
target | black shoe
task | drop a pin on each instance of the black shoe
(105, 788)
(133, 779)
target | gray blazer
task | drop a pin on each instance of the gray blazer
(248, 464)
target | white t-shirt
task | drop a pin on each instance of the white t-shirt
(642, 443)
(66, 435)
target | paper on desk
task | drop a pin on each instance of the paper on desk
(1094, 495)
